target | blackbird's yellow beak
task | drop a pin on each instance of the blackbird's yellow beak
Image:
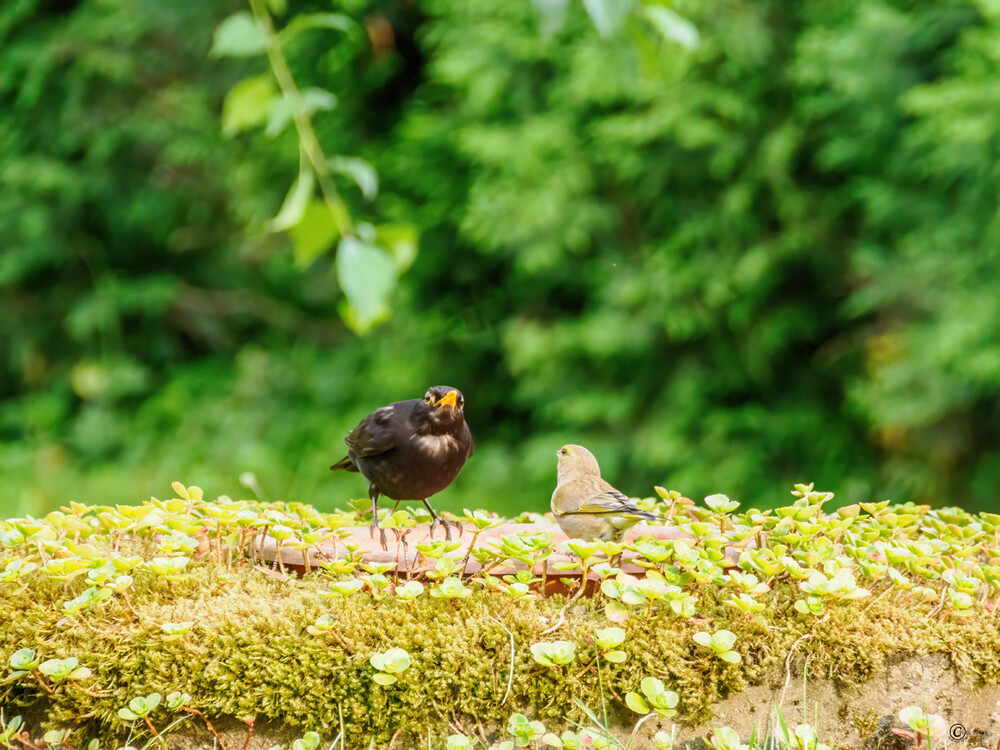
(449, 399)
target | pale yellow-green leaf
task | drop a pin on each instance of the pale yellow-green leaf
(367, 275)
(238, 36)
(246, 103)
(314, 234)
(400, 240)
(294, 208)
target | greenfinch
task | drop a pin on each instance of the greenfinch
(586, 506)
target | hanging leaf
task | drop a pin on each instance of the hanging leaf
(367, 275)
(360, 171)
(279, 114)
(294, 207)
(673, 27)
(400, 240)
(314, 234)
(607, 15)
(238, 36)
(552, 13)
(246, 104)
(281, 109)
(306, 21)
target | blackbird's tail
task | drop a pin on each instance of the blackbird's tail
(344, 463)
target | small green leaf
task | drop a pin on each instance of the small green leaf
(13, 727)
(238, 36)
(363, 173)
(674, 28)
(54, 736)
(724, 639)
(23, 659)
(636, 703)
(731, 656)
(314, 234)
(616, 612)
(368, 276)
(552, 14)
(383, 679)
(616, 657)
(294, 207)
(305, 21)
(607, 15)
(279, 113)
(128, 715)
(703, 639)
(245, 105)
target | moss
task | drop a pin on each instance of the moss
(249, 653)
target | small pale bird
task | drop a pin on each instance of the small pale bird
(586, 506)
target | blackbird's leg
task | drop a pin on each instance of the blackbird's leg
(436, 520)
(434, 516)
(373, 494)
(443, 522)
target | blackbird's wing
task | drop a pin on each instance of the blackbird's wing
(376, 434)
(467, 437)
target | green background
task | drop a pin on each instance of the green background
(769, 259)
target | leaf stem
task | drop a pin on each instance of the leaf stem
(303, 123)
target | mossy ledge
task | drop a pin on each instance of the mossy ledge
(250, 652)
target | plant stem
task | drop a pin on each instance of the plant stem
(468, 553)
(208, 724)
(303, 124)
(249, 724)
(42, 684)
(153, 730)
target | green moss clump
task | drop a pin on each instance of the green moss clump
(847, 591)
(249, 653)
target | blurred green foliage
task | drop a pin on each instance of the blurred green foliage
(772, 258)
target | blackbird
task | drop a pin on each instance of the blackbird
(410, 450)
(586, 506)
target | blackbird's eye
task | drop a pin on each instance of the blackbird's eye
(427, 397)
(564, 452)
(461, 402)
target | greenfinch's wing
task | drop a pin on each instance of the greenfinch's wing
(609, 501)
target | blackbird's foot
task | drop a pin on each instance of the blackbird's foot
(381, 532)
(447, 527)
(435, 522)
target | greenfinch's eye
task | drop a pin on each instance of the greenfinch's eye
(564, 452)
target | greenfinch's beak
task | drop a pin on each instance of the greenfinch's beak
(449, 399)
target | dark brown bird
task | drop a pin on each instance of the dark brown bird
(410, 450)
